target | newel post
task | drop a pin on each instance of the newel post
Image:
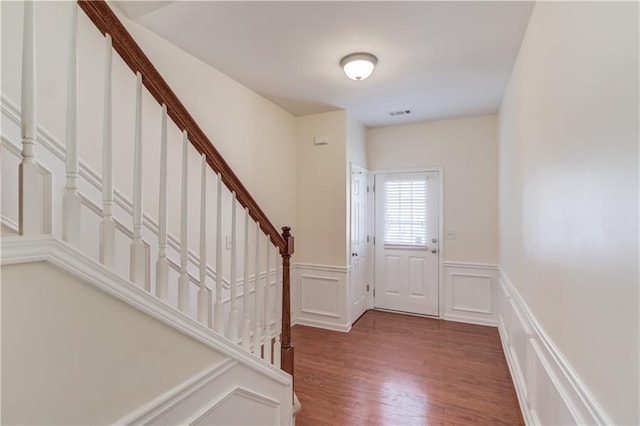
(286, 350)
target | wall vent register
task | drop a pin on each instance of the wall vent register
(401, 112)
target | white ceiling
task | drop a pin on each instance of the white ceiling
(437, 59)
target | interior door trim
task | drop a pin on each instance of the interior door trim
(357, 168)
(440, 171)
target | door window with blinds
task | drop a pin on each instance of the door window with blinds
(405, 210)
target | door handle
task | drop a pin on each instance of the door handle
(354, 254)
(434, 250)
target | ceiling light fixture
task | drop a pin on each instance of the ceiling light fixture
(358, 66)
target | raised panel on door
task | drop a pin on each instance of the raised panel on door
(407, 247)
(392, 275)
(416, 277)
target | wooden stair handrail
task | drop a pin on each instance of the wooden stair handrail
(107, 22)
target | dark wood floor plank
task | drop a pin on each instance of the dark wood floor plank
(394, 369)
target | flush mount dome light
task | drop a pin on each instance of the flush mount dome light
(358, 66)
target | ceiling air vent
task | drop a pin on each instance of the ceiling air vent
(401, 112)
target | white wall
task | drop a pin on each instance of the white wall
(256, 137)
(322, 183)
(569, 191)
(321, 274)
(356, 141)
(73, 355)
(466, 149)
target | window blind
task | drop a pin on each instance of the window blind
(406, 210)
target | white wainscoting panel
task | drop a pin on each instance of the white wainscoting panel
(319, 296)
(242, 407)
(549, 391)
(470, 293)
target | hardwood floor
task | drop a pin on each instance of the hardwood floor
(394, 369)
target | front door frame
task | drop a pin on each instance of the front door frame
(440, 171)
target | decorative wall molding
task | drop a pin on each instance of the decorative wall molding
(205, 397)
(483, 306)
(470, 293)
(471, 265)
(243, 394)
(9, 224)
(154, 409)
(319, 295)
(472, 301)
(21, 249)
(323, 268)
(548, 389)
(323, 290)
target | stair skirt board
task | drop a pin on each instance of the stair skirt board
(227, 393)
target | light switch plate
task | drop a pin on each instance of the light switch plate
(452, 235)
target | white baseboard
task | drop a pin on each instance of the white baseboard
(345, 328)
(548, 389)
(469, 320)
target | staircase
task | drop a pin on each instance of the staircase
(226, 303)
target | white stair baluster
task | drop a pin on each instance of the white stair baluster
(267, 306)
(278, 304)
(218, 322)
(204, 293)
(246, 329)
(257, 333)
(71, 202)
(183, 281)
(162, 265)
(138, 250)
(233, 311)
(29, 197)
(107, 225)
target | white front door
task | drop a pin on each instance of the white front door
(358, 273)
(407, 246)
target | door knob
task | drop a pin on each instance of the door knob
(354, 254)
(434, 250)
(434, 240)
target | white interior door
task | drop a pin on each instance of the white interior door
(358, 273)
(407, 247)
